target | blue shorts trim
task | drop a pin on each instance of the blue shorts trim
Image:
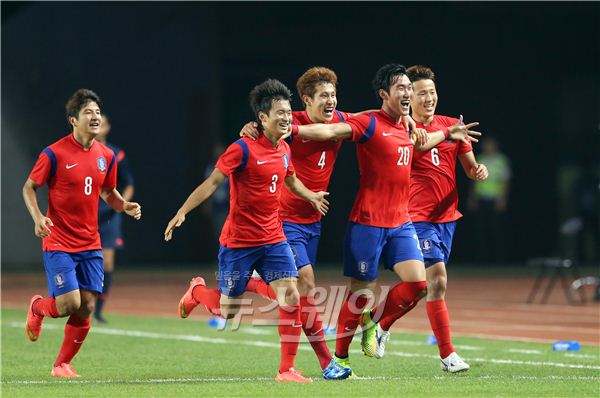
(272, 262)
(365, 245)
(436, 241)
(111, 234)
(304, 241)
(66, 272)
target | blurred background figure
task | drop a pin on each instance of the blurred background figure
(109, 221)
(488, 200)
(216, 207)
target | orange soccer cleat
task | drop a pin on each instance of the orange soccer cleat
(64, 370)
(187, 302)
(292, 376)
(33, 325)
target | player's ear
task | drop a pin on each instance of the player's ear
(73, 121)
(383, 94)
(307, 100)
(262, 116)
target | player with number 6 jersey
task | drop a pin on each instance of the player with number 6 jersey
(78, 170)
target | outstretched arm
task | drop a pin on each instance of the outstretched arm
(200, 194)
(316, 199)
(41, 222)
(458, 132)
(324, 132)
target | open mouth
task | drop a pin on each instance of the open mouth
(328, 111)
(95, 124)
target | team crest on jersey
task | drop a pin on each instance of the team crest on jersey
(101, 162)
(362, 267)
(285, 161)
(59, 280)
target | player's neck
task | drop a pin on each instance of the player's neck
(314, 116)
(425, 120)
(85, 140)
(396, 116)
(273, 138)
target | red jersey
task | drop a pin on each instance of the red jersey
(256, 173)
(433, 194)
(75, 178)
(384, 149)
(313, 161)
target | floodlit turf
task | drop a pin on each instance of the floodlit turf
(148, 357)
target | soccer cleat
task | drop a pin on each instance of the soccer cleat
(382, 338)
(99, 318)
(33, 325)
(187, 302)
(64, 370)
(345, 363)
(368, 342)
(291, 376)
(454, 364)
(335, 371)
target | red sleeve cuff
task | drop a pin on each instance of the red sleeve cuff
(295, 129)
(446, 131)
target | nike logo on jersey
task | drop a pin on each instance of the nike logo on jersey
(305, 141)
(261, 161)
(387, 134)
(70, 166)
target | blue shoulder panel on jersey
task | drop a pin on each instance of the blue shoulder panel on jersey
(370, 131)
(244, 146)
(340, 116)
(112, 162)
(52, 158)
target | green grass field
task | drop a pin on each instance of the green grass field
(148, 357)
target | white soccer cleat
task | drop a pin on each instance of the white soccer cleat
(454, 364)
(382, 338)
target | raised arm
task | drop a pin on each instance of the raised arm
(41, 222)
(199, 195)
(316, 199)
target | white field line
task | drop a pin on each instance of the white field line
(262, 379)
(521, 351)
(212, 340)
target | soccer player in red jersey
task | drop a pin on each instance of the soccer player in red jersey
(79, 170)
(433, 208)
(252, 237)
(313, 162)
(379, 224)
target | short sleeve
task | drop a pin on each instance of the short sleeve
(290, 170)
(110, 181)
(464, 148)
(232, 158)
(363, 127)
(42, 168)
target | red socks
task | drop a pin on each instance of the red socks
(440, 325)
(386, 322)
(260, 287)
(313, 329)
(290, 327)
(76, 330)
(400, 298)
(348, 322)
(45, 307)
(210, 298)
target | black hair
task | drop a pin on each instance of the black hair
(262, 96)
(385, 77)
(78, 100)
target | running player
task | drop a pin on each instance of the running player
(433, 208)
(313, 162)
(379, 223)
(79, 170)
(253, 237)
(109, 221)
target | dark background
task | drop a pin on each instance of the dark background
(174, 78)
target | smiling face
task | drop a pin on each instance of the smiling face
(424, 100)
(396, 102)
(88, 120)
(321, 106)
(277, 122)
